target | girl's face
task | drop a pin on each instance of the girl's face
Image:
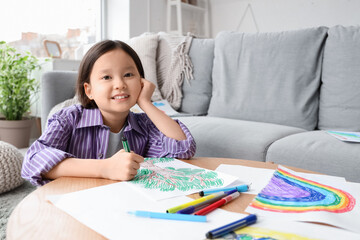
(115, 84)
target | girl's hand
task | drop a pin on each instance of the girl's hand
(121, 166)
(146, 92)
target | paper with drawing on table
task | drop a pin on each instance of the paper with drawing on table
(110, 217)
(105, 210)
(258, 178)
(296, 196)
(267, 228)
(160, 178)
(346, 136)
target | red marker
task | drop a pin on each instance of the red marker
(217, 204)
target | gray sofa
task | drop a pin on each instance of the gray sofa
(267, 97)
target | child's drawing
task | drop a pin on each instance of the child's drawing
(289, 193)
(257, 233)
(152, 176)
(297, 196)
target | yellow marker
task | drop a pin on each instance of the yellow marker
(199, 200)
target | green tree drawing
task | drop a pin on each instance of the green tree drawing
(166, 179)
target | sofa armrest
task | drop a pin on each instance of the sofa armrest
(56, 87)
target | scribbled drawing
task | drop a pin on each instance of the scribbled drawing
(289, 193)
(257, 233)
(166, 179)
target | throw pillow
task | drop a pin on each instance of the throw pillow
(339, 95)
(10, 167)
(145, 46)
(173, 65)
(268, 77)
(197, 92)
(62, 105)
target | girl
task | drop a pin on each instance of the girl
(111, 81)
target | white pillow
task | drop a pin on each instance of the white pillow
(59, 106)
(145, 46)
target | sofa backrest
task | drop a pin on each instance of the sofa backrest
(56, 87)
(340, 90)
(268, 77)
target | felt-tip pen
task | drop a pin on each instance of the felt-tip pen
(240, 188)
(197, 207)
(169, 216)
(217, 204)
(218, 232)
(125, 144)
(192, 203)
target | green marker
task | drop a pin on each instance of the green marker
(125, 144)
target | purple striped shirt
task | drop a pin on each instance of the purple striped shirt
(80, 133)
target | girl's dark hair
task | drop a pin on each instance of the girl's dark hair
(89, 60)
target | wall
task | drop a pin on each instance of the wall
(129, 18)
(279, 15)
(116, 19)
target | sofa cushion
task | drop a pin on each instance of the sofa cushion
(230, 138)
(197, 92)
(318, 151)
(268, 77)
(339, 96)
(145, 46)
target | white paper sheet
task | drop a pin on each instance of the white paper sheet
(259, 177)
(348, 219)
(104, 209)
(171, 177)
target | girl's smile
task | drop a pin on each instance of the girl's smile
(120, 96)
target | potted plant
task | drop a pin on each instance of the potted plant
(17, 89)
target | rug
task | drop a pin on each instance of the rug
(8, 202)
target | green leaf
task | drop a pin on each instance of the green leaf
(16, 85)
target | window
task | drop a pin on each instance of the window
(26, 24)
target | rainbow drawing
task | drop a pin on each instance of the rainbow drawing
(257, 233)
(288, 193)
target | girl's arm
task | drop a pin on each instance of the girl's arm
(121, 166)
(48, 157)
(163, 122)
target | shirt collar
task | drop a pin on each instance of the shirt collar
(133, 124)
(90, 117)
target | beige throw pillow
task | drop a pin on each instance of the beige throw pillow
(59, 106)
(145, 46)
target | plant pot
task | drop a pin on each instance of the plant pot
(16, 132)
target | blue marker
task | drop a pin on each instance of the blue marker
(218, 232)
(240, 188)
(169, 216)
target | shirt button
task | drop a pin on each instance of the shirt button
(100, 155)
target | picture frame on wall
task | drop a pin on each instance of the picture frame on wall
(52, 49)
(193, 2)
